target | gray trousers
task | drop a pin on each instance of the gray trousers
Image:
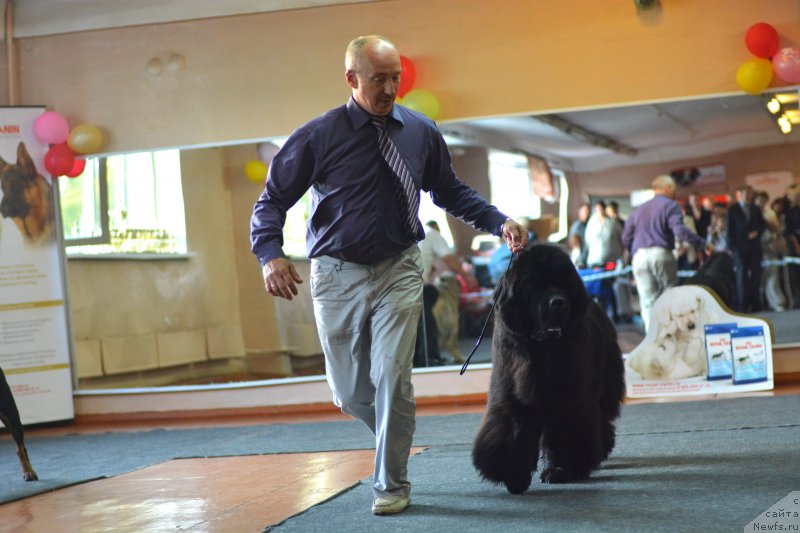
(655, 270)
(367, 318)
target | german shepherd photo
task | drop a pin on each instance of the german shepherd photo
(27, 199)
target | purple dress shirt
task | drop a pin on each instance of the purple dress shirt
(355, 216)
(656, 223)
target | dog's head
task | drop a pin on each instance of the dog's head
(541, 294)
(685, 313)
(16, 180)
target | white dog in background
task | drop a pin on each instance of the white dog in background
(678, 351)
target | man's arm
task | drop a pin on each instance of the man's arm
(463, 202)
(679, 229)
(291, 173)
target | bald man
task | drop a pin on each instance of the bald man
(649, 235)
(365, 163)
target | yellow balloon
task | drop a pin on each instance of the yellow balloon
(85, 139)
(256, 171)
(423, 102)
(754, 75)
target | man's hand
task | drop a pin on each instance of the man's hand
(515, 236)
(280, 278)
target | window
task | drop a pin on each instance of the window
(125, 204)
(510, 185)
(512, 191)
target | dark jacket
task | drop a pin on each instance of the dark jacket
(738, 226)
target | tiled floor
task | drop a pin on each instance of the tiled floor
(207, 494)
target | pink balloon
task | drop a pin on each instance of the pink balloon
(786, 64)
(51, 128)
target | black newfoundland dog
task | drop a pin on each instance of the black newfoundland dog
(557, 380)
(717, 274)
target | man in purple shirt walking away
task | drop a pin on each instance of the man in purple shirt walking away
(365, 163)
(649, 235)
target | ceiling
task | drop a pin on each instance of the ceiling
(657, 132)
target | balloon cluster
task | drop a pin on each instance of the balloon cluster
(763, 41)
(60, 160)
(419, 100)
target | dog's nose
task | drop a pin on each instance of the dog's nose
(558, 303)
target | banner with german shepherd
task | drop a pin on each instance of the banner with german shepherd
(34, 338)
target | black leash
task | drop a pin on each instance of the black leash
(488, 318)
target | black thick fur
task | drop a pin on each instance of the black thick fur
(717, 274)
(557, 379)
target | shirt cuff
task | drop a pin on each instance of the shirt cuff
(268, 252)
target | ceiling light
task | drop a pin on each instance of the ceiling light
(773, 106)
(785, 125)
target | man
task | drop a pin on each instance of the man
(437, 258)
(612, 210)
(365, 163)
(700, 213)
(649, 235)
(579, 228)
(745, 225)
(793, 241)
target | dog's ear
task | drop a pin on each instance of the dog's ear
(24, 161)
(509, 306)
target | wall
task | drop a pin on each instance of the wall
(131, 315)
(738, 164)
(257, 76)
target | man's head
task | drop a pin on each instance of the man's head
(584, 210)
(664, 186)
(612, 209)
(600, 208)
(743, 195)
(372, 70)
(432, 224)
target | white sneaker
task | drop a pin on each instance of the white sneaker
(390, 504)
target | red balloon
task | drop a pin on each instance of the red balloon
(762, 40)
(59, 159)
(408, 76)
(77, 168)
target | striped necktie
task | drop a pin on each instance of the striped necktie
(406, 191)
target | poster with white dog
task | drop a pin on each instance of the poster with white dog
(697, 346)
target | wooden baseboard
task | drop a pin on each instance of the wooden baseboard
(269, 411)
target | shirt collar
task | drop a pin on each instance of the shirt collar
(359, 117)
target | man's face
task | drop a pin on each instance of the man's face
(376, 78)
(583, 213)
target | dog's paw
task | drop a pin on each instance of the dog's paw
(30, 476)
(518, 483)
(557, 474)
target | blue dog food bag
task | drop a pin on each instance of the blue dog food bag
(749, 352)
(718, 350)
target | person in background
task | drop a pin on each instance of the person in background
(772, 241)
(687, 254)
(612, 210)
(437, 259)
(649, 235)
(700, 213)
(716, 237)
(793, 240)
(365, 163)
(603, 238)
(604, 243)
(745, 225)
(780, 247)
(579, 228)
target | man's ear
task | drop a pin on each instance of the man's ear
(352, 79)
